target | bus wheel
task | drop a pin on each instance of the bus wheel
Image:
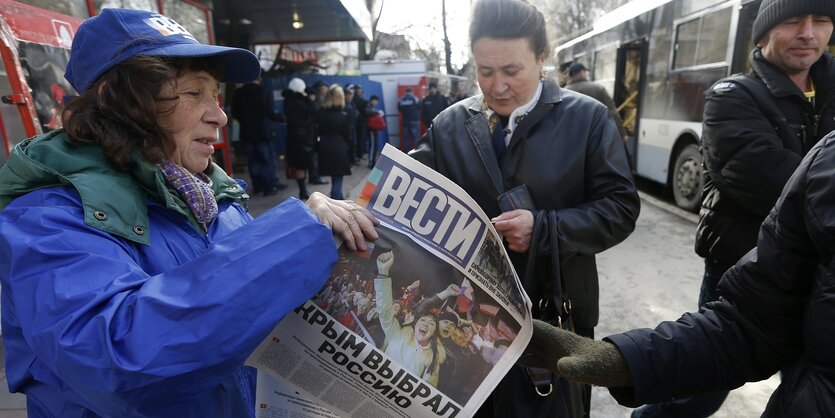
(687, 178)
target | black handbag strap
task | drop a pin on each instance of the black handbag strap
(548, 292)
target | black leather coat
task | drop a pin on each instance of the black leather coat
(777, 312)
(568, 152)
(749, 156)
(334, 128)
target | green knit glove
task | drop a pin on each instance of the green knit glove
(576, 358)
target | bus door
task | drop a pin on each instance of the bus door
(34, 47)
(629, 83)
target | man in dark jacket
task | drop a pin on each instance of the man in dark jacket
(353, 115)
(579, 81)
(409, 108)
(251, 107)
(776, 313)
(432, 105)
(757, 128)
(360, 104)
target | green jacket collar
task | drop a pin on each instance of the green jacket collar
(114, 201)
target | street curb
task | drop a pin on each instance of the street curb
(675, 210)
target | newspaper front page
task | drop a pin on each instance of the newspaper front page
(423, 324)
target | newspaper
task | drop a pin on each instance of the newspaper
(423, 324)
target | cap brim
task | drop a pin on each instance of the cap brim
(239, 65)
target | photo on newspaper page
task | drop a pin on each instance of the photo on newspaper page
(425, 323)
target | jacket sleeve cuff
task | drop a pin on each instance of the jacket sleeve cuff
(645, 384)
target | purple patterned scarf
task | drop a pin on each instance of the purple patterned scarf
(194, 189)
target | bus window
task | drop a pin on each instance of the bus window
(74, 8)
(703, 40)
(125, 4)
(687, 35)
(713, 39)
(605, 68)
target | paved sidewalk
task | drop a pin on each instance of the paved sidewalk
(13, 405)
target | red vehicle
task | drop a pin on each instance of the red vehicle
(35, 48)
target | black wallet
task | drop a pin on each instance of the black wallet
(516, 198)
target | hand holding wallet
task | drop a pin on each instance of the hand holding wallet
(518, 197)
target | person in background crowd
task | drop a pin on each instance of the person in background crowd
(775, 314)
(578, 80)
(251, 106)
(535, 136)
(375, 147)
(756, 129)
(134, 283)
(353, 114)
(409, 108)
(335, 128)
(432, 104)
(300, 112)
(319, 90)
(362, 127)
(460, 92)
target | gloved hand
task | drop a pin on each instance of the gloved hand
(576, 358)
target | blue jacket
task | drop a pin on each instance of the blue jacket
(152, 325)
(409, 106)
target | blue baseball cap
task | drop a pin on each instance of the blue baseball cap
(115, 35)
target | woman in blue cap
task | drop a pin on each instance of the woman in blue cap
(134, 281)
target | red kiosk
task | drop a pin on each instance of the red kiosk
(35, 46)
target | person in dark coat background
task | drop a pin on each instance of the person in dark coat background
(300, 112)
(776, 313)
(409, 108)
(565, 150)
(360, 104)
(319, 90)
(251, 106)
(578, 80)
(334, 146)
(432, 105)
(353, 115)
